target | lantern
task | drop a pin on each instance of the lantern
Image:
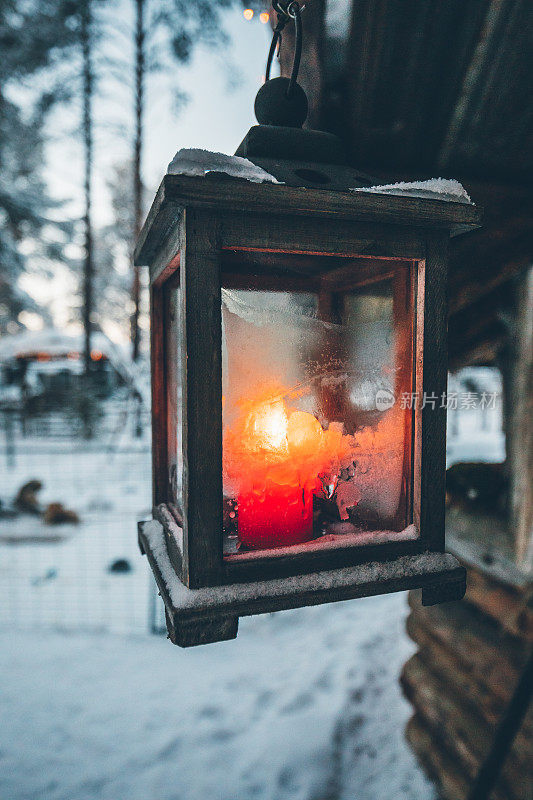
(296, 319)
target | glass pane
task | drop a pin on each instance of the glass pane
(315, 442)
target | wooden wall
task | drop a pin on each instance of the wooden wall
(469, 659)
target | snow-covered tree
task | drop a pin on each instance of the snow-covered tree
(34, 35)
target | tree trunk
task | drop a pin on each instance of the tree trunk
(137, 180)
(88, 267)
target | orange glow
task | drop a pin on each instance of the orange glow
(268, 440)
(248, 14)
(276, 457)
(73, 356)
(43, 357)
(264, 16)
(96, 355)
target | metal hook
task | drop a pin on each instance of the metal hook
(286, 11)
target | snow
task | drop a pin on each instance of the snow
(59, 364)
(474, 434)
(29, 528)
(51, 341)
(304, 704)
(341, 534)
(436, 189)
(10, 394)
(185, 598)
(202, 162)
(190, 161)
(57, 575)
(57, 344)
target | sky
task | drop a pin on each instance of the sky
(221, 85)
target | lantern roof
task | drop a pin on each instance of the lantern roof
(227, 187)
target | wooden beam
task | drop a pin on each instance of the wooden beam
(475, 275)
(492, 657)
(201, 370)
(520, 439)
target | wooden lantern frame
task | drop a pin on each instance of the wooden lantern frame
(195, 223)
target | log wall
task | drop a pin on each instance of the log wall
(469, 660)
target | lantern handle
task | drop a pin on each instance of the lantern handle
(285, 12)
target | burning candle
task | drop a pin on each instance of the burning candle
(276, 457)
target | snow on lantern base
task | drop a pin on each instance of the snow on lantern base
(211, 614)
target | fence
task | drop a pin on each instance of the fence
(89, 574)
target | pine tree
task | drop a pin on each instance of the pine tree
(34, 36)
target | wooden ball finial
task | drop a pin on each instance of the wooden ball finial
(275, 106)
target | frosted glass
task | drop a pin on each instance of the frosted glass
(316, 443)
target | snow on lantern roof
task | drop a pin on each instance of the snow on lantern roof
(201, 162)
(448, 190)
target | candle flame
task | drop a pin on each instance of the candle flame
(267, 427)
(270, 443)
(275, 455)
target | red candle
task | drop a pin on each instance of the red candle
(276, 456)
(276, 517)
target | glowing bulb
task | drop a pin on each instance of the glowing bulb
(248, 14)
(264, 16)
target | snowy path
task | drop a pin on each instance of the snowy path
(303, 705)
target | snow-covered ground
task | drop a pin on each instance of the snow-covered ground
(66, 583)
(474, 427)
(304, 704)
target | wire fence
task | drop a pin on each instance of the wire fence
(84, 572)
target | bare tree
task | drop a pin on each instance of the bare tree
(140, 61)
(87, 128)
(187, 25)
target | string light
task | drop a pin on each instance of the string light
(264, 16)
(248, 14)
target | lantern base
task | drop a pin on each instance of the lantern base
(203, 616)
